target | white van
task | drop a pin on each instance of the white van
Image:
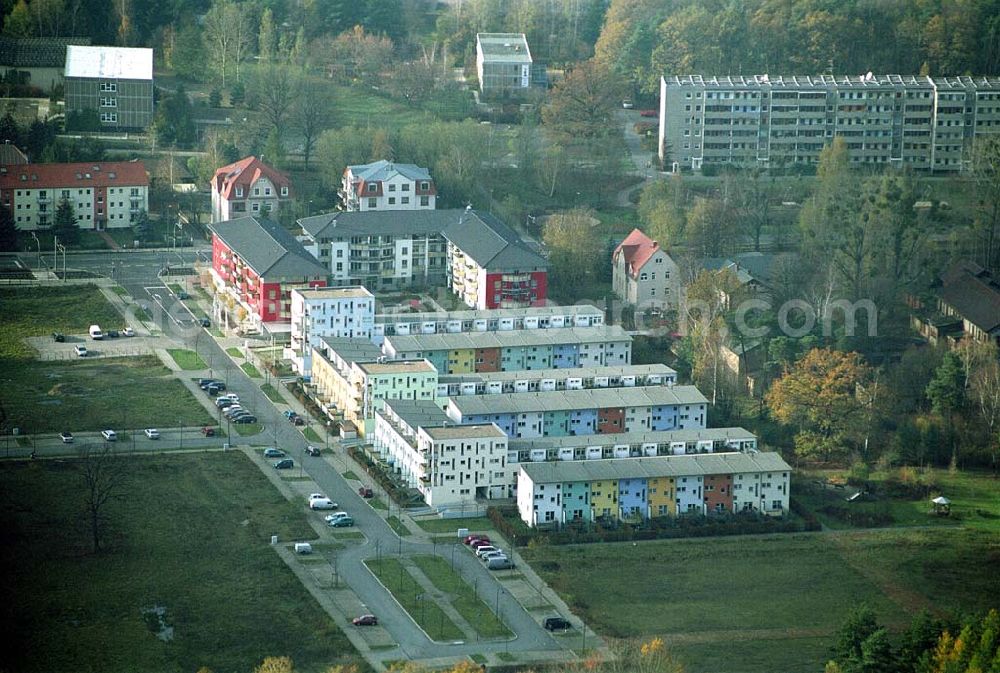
(321, 503)
(95, 332)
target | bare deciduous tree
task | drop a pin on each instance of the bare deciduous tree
(103, 472)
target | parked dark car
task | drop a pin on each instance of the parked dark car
(113, 334)
(284, 464)
(242, 420)
(556, 624)
(365, 620)
(289, 414)
(313, 450)
(298, 420)
(58, 336)
(205, 322)
(208, 432)
(215, 389)
(204, 383)
(182, 295)
(366, 492)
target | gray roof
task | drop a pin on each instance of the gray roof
(571, 372)
(384, 170)
(492, 244)
(652, 467)
(416, 413)
(504, 47)
(37, 52)
(379, 223)
(268, 248)
(661, 437)
(570, 400)
(490, 314)
(109, 62)
(974, 294)
(353, 350)
(507, 339)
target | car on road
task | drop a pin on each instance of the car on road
(627, 104)
(366, 492)
(113, 334)
(243, 420)
(274, 453)
(208, 432)
(556, 624)
(152, 433)
(312, 451)
(58, 336)
(298, 420)
(342, 522)
(365, 620)
(322, 503)
(329, 518)
(109, 435)
(128, 332)
(205, 322)
(81, 350)
(66, 437)
(284, 464)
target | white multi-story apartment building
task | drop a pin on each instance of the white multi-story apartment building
(317, 313)
(927, 123)
(249, 187)
(489, 320)
(350, 376)
(384, 185)
(643, 274)
(104, 195)
(451, 465)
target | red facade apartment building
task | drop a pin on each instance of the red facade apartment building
(256, 264)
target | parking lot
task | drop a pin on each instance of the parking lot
(49, 350)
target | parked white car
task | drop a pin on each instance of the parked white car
(128, 331)
(152, 433)
(109, 435)
(81, 350)
(322, 503)
(330, 518)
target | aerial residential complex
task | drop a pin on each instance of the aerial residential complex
(516, 350)
(585, 412)
(493, 320)
(384, 185)
(925, 123)
(345, 312)
(640, 488)
(104, 195)
(643, 274)
(116, 83)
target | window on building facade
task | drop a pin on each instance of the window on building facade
(404, 200)
(284, 191)
(372, 203)
(425, 200)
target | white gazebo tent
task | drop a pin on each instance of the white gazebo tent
(942, 505)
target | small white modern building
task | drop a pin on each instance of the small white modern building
(451, 465)
(503, 62)
(317, 313)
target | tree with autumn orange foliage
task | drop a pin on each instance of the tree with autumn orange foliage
(821, 397)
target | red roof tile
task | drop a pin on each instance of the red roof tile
(245, 172)
(50, 176)
(637, 248)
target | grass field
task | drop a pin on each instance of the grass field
(405, 589)
(203, 555)
(475, 525)
(250, 370)
(397, 526)
(271, 392)
(37, 311)
(247, 429)
(94, 394)
(235, 352)
(462, 597)
(187, 360)
(758, 596)
(310, 434)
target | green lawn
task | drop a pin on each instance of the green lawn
(90, 394)
(405, 589)
(250, 370)
(235, 352)
(462, 597)
(38, 311)
(376, 503)
(475, 525)
(187, 360)
(311, 434)
(271, 392)
(763, 593)
(351, 475)
(398, 526)
(247, 429)
(204, 557)
(119, 290)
